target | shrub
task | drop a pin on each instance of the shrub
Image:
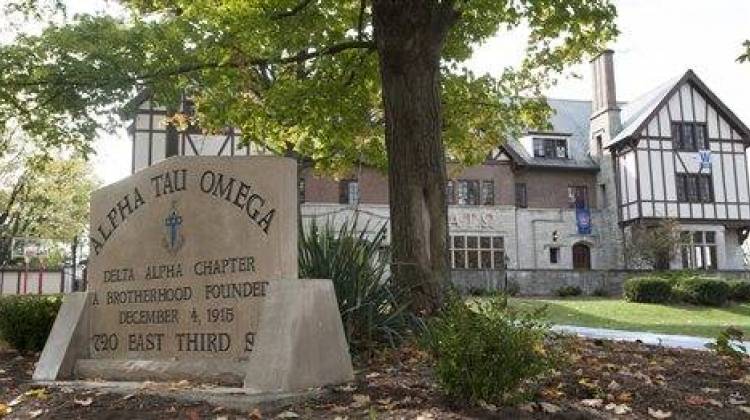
(373, 310)
(566, 291)
(25, 321)
(702, 291)
(647, 290)
(485, 352)
(600, 292)
(729, 344)
(739, 291)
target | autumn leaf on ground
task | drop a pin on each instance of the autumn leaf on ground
(255, 414)
(618, 409)
(38, 393)
(592, 403)
(15, 401)
(735, 398)
(549, 408)
(552, 393)
(659, 414)
(696, 400)
(360, 400)
(4, 410)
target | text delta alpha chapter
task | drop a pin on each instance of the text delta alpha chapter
(233, 191)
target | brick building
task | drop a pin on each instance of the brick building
(558, 201)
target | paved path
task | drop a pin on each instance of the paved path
(658, 339)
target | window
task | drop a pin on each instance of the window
(468, 192)
(521, 196)
(599, 148)
(602, 199)
(301, 189)
(578, 196)
(449, 193)
(694, 188)
(554, 255)
(551, 148)
(698, 250)
(349, 192)
(477, 252)
(689, 136)
(488, 193)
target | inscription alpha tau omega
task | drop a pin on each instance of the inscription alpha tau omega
(234, 191)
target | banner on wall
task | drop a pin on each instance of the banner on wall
(583, 220)
(704, 157)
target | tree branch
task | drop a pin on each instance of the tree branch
(301, 56)
(291, 12)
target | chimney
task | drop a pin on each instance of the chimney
(604, 101)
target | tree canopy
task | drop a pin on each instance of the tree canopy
(41, 197)
(297, 75)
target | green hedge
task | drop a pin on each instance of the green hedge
(25, 321)
(648, 290)
(567, 291)
(685, 287)
(739, 291)
(702, 291)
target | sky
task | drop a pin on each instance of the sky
(660, 39)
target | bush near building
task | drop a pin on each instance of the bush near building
(25, 321)
(739, 291)
(701, 291)
(648, 290)
(567, 291)
(685, 287)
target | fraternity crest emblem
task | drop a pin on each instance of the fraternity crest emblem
(173, 239)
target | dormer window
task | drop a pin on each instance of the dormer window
(551, 148)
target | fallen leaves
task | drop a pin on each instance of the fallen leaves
(659, 414)
(619, 409)
(84, 402)
(549, 408)
(360, 401)
(592, 403)
(696, 400)
(4, 410)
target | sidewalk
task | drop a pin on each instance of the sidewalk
(657, 339)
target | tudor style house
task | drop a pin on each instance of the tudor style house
(562, 199)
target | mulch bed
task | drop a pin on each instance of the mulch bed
(603, 380)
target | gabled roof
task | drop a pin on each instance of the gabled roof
(636, 114)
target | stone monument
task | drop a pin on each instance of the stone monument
(192, 275)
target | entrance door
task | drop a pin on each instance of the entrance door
(581, 257)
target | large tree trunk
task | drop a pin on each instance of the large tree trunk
(410, 35)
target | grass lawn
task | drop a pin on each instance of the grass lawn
(618, 314)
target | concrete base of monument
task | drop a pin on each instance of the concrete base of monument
(300, 344)
(226, 397)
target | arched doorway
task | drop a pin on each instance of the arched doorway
(581, 257)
